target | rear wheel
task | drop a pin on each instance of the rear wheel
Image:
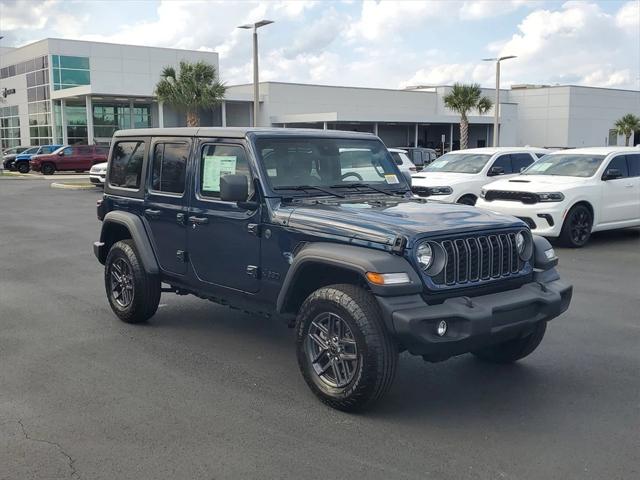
(467, 200)
(576, 228)
(513, 350)
(23, 167)
(48, 169)
(133, 294)
(345, 353)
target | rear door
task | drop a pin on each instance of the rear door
(223, 238)
(82, 159)
(165, 205)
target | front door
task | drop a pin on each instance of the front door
(619, 196)
(223, 241)
(165, 207)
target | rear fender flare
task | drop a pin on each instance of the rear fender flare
(139, 235)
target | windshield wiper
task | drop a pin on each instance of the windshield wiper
(308, 187)
(357, 185)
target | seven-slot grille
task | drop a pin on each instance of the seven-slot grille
(484, 257)
(512, 196)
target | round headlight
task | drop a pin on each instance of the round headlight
(520, 243)
(424, 254)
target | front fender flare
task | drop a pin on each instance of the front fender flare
(134, 225)
(359, 260)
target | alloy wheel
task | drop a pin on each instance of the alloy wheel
(121, 280)
(580, 227)
(331, 349)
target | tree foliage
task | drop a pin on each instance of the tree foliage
(626, 125)
(194, 86)
(463, 99)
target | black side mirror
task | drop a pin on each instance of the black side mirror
(61, 153)
(495, 170)
(612, 174)
(235, 188)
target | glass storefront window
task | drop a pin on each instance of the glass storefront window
(69, 72)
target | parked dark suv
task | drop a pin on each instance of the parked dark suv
(320, 229)
(76, 158)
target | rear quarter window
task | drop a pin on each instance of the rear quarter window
(125, 168)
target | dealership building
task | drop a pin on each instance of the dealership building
(68, 91)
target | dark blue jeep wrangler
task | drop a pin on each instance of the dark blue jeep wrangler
(320, 228)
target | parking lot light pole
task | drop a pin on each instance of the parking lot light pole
(256, 88)
(496, 108)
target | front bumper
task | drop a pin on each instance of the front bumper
(477, 322)
(97, 179)
(543, 215)
(35, 166)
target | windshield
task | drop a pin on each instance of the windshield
(459, 163)
(566, 164)
(329, 163)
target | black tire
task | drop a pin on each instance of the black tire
(374, 350)
(576, 229)
(48, 169)
(23, 167)
(513, 350)
(144, 296)
(467, 200)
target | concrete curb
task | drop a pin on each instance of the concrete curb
(73, 186)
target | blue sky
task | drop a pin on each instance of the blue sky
(383, 43)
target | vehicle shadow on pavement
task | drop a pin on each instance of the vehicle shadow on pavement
(608, 237)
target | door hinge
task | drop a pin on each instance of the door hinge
(181, 256)
(253, 271)
(253, 229)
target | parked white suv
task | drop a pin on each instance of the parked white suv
(571, 193)
(402, 160)
(458, 176)
(98, 173)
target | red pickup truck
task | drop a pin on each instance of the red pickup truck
(78, 158)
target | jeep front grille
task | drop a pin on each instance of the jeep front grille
(479, 258)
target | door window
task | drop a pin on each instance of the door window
(126, 164)
(619, 163)
(169, 166)
(504, 161)
(217, 161)
(633, 161)
(520, 161)
(68, 151)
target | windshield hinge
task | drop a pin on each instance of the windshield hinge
(399, 244)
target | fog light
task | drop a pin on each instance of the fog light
(442, 328)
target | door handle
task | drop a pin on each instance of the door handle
(149, 212)
(199, 220)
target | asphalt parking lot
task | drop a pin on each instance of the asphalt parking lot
(206, 392)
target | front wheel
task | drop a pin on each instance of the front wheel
(133, 294)
(345, 353)
(576, 228)
(48, 169)
(467, 200)
(513, 350)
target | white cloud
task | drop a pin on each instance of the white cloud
(628, 16)
(16, 14)
(480, 9)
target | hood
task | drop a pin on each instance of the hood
(535, 183)
(382, 220)
(443, 179)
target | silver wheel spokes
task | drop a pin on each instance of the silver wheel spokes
(331, 349)
(121, 282)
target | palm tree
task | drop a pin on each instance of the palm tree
(626, 125)
(195, 86)
(463, 99)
